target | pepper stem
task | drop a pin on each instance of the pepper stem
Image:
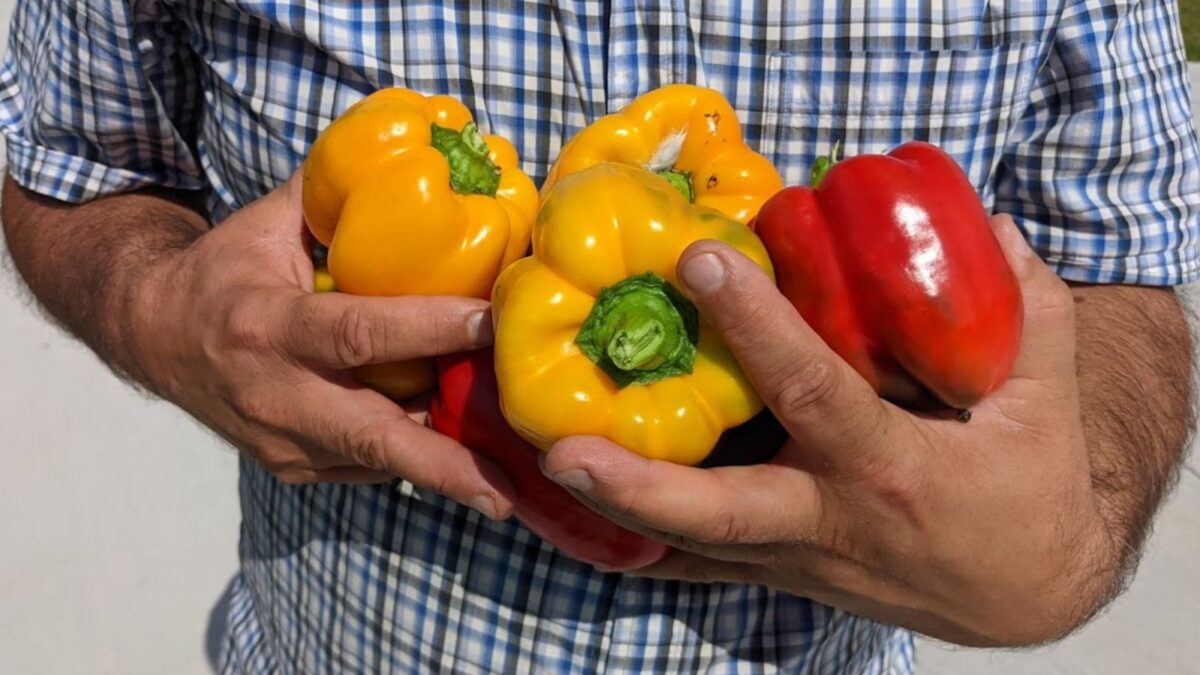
(638, 342)
(823, 164)
(680, 180)
(471, 170)
(641, 330)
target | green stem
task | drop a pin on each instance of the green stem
(641, 330)
(823, 164)
(680, 180)
(471, 170)
(638, 344)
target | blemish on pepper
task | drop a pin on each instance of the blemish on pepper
(712, 181)
(714, 119)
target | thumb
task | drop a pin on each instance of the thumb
(272, 233)
(288, 196)
(280, 212)
(816, 395)
(1047, 351)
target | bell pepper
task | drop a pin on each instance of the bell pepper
(322, 280)
(410, 199)
(687, 134)
(467, 409)
(592, 335)
(891, 260)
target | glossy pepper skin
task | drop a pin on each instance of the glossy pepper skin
(892, 261)
(598, 235)
(411, 200)
(688, 131)
(467, 409)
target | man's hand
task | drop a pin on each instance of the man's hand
(983, 533)
(225, 324)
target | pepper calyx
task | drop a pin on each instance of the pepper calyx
(681, 181)
(823, 164)
(641, 330)
(472, 171)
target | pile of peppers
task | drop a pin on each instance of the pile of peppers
(890, 258)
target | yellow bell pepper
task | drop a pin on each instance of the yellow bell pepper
(411, 200)
(687, 134)
(592, 336)
(322, 282)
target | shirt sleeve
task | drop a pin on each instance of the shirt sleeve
(1102, 172)
(98, 97)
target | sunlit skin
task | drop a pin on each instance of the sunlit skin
(379, 195)
(597, 228)
(987, 533)
(892, 262)
(685, 128)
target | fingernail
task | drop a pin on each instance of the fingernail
(703, 273)
(576, 479)
(603, 568)
(485, 505)
(479, 328)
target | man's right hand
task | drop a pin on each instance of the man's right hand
(230, 330)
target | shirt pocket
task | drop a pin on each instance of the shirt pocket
(964, 100)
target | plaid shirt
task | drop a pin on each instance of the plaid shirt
(1071, 114)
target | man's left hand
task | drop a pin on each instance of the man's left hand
(983, 533)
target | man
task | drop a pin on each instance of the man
(132, 127)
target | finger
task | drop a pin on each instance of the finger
(315, 458)
(353, 475)
(417, 408)
(288, 196)
(336, 330)
(294, 460)
(368, 429)
(1047, 349)
(715, 508)
(285, 453)
(686, 566)
(349, 474)
(818, 398)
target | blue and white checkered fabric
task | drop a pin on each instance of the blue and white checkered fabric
(1071, 114)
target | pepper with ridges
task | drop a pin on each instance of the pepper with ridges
(592, 334)
(691, 137)
(412, 200)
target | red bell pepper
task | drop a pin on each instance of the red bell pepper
(891, 260)
(467, 409)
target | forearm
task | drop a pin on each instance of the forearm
(1134, 375)
(84, 262)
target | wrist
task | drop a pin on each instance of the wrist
(143, 310)
(1112, 559)
(1068, 590)
(1090, 576)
